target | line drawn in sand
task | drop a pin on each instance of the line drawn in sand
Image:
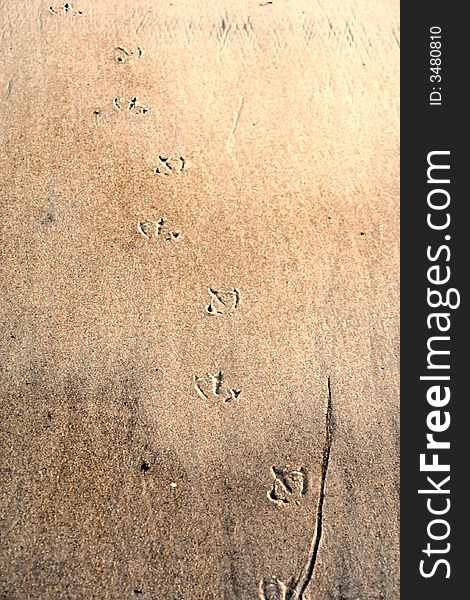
(235, 123)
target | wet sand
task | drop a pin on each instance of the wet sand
(199, 368)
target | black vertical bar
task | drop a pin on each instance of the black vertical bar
(434, 119)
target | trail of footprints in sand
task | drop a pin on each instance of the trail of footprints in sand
(289, 485)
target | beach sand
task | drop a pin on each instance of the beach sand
(199, 367)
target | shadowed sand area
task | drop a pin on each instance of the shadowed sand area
(199, 367)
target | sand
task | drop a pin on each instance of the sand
(199, 213)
